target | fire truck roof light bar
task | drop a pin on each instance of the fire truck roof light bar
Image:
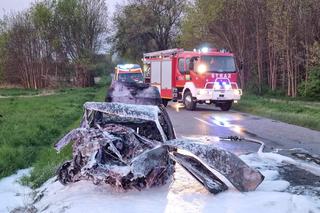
(163, 53)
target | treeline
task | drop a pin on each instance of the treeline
(53, 43)
(275, 41)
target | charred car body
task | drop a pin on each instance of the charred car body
(134, 146)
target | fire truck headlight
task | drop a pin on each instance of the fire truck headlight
(202, 68)
(236, 92)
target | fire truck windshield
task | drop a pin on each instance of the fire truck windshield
(219, 63)
(130, 77)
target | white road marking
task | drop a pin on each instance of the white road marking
(203, 121)
(234, 128)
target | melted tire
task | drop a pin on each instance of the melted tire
(165, 102)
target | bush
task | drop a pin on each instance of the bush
(311, 88)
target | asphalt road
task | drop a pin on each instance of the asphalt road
(209, 121)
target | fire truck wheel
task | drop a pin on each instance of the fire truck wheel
(188, 101)
(226, 106)
(165, 102)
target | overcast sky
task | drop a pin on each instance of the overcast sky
(8, 6)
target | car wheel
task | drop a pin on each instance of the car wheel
(226, 106)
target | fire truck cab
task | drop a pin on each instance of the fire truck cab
(128, 73)
(205, 77)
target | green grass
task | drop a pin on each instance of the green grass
(302, 113)
(19, 92)
(30, 126)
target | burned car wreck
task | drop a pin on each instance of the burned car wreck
(132, 146)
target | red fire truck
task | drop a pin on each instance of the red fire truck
(201, 76)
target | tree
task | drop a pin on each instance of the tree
(195, 25)
(53, 41)
(3, 43)
(81, 25)
(146, 25)
(29, 49)
(311, 88)
(228, 26)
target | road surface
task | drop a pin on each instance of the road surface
(210, 121)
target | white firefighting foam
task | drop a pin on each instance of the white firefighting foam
(183, 194)
(12, 193)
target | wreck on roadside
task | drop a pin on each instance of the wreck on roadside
(129, 142)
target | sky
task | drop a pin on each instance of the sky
(9, 6)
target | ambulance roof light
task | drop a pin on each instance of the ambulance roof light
(204, 49)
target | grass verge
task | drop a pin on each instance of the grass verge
(18, 92)
(301, 113)
(30, 126)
